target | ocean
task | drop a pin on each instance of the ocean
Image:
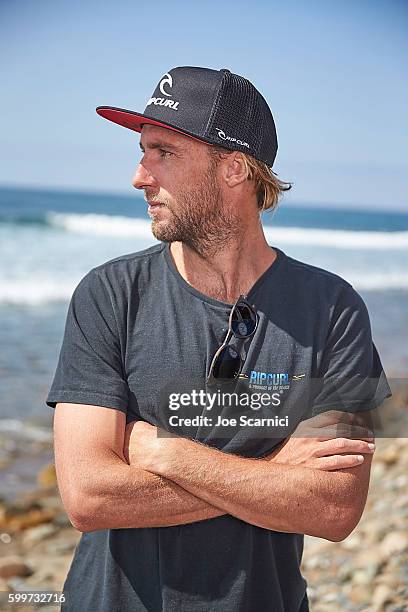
(50, 240)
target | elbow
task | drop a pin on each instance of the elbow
(77, 522)
(338, 534)
(78, 519)
(81, 511)
(81, 522)
(342, 524)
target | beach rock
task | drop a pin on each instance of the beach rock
(317, 562)
(3, 512)
(401, 502)
(374, 531)
(377, 471)
(364, 558)
(389, 456)
(362, 576)
(14, 566)
(381, 507)
(39, 533)
(394, 543)
(401, 482)
(328, 598)
(353, 542)
(311, 594)
(47, 476)
(4, 462)
(5, 538)
(368, 573)
(360, 594)
(62, 520)
(345, 572)
(52, 501)
(390, 577)
(39, 496)
(31, 518)
(17, 584)
(60, 547)
(381, 596)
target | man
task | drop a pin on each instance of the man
(213, 518)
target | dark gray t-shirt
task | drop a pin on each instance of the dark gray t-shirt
(135, 331)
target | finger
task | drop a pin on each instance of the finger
(354, 432)
(339, 462)
(351, 422)
(339, 431)
(343, 445)
(130, 425)
(329, 417)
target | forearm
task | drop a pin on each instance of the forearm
(270, 495)
(117, 495)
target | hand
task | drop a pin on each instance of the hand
(143, 446)
(325, 442)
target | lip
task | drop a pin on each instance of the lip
(154, 207)
(153, 204)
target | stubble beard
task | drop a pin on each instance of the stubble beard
(202, 221)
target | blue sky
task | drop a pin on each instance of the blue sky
(334, 74)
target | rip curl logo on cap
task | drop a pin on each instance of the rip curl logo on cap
(223, 136)
(162, 102)
(167, 80)
(164, 81)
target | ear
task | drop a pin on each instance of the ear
(235, 170)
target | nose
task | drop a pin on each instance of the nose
(142, 178)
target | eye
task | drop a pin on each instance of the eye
(164, 153)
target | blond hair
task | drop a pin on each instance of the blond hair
(269, 188)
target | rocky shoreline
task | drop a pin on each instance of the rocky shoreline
(367, 572)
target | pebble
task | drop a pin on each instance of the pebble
(353, 542)
(37, 534)
(14, 566)
(16, 584)
(328, 598)
(47, 476)
(60, 547)
(390, 456)
(360, 593)
(30, 519)
(381, 596)
(394, 543)
(366, 575)
(5, 538)
(61, 520)
(377, 471)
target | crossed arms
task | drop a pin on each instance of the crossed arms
(115, 476)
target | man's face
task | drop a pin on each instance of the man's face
(182, 186)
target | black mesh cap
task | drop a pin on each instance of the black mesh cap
(215, 106)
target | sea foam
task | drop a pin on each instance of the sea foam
(110, 225)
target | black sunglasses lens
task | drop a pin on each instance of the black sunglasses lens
(243, 321)
(228, 364)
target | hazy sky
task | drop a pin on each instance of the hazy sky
(334, 74)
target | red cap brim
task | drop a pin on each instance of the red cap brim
(134, 121)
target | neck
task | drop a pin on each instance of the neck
(229, 269)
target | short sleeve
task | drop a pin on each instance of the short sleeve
(90, 365)
(351, 377)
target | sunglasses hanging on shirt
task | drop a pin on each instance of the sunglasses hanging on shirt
(228, 362)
